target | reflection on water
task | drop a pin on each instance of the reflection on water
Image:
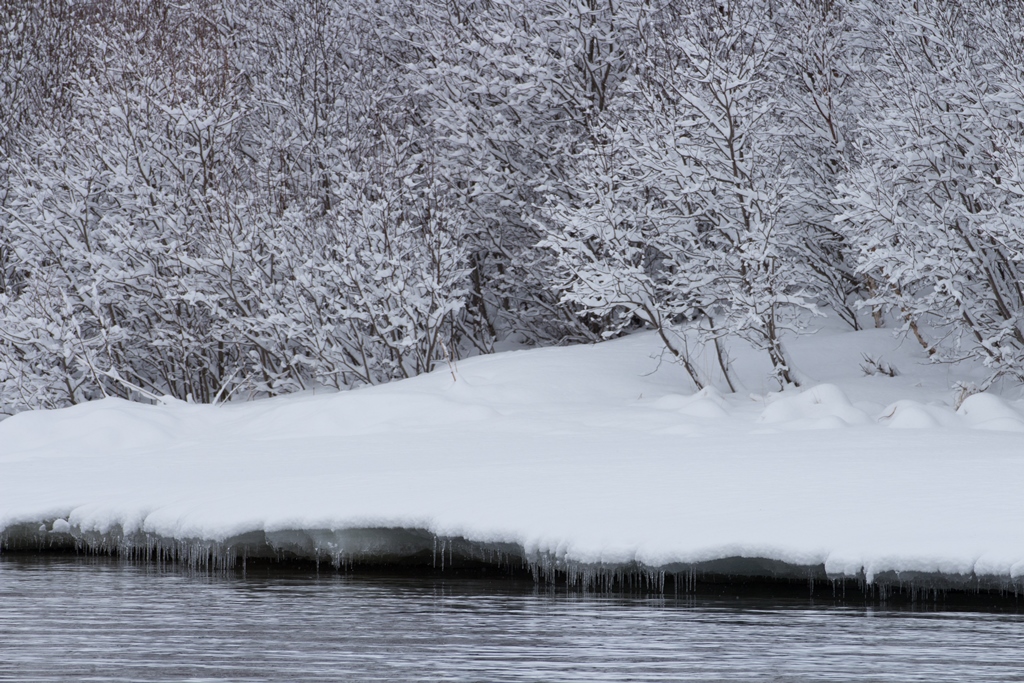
(100, 620)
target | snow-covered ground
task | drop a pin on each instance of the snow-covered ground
(581, 456)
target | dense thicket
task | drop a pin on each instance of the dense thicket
(210, 199)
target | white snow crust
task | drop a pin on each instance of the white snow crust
(588, 456)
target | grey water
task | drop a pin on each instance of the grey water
(101, 620)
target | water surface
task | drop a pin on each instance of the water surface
(69, 619)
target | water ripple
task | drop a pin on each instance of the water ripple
(104, 621)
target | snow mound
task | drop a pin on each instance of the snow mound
(824, 406)
(985, 411)
(706, 403)
(909, 414)
(110, 424)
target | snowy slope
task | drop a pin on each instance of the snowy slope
(586, 456)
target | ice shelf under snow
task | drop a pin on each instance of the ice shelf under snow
(585, 458)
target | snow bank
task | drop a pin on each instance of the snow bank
(584, 459)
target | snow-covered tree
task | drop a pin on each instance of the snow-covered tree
(686, 215)
(818, 112)
(206, 219)
(109, 208)
(928, 206)
(516, 84)
(354, 268)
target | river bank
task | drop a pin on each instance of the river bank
(578, 463)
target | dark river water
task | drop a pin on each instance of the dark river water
(68, 619)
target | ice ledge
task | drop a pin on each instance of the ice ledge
(421, 548)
